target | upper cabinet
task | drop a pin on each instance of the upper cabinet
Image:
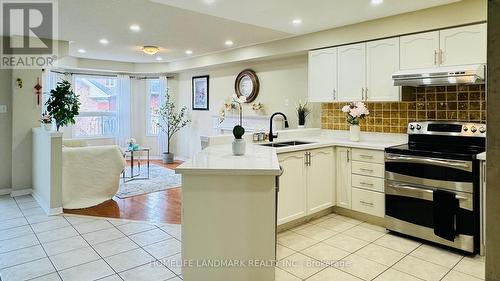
(419, 50)
(363, 71)
(351, 72)
(463, 45)
(454, 46)
(382, 60)
(323, 75)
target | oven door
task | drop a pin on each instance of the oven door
(455, 175)
(409, 210)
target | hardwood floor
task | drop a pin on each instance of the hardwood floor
(162, 206)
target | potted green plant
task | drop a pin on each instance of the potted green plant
(63, 104)
(46, 121)
(302, 112)
(171, 121)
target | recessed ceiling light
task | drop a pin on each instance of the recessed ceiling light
(82, 51)
(104, 41)
(135, 27)
(377, 2)
(159, 58)
(229, 43)
(189, 52)
(297, 22)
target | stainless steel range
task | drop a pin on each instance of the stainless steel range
(432, 183)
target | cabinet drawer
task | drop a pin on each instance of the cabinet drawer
(368, 169)
(369, 202)
(365, 182)
(367, 155)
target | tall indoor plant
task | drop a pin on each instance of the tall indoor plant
(171, 121)
(63, 104)
(355, 111)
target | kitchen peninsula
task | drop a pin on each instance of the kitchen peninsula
(229, 214)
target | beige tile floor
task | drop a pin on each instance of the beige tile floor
(34, 246)
(341, 248)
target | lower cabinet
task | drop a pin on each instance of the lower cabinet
(292, 194)
(367, 201)
(307, 183)
(343, 181)
(320, 180)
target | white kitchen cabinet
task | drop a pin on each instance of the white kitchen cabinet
(382, 61)
(320, 179)
(351, 72)
(322, 74)
(463, 45)
(343, 177)
(419, 50)
(292, 193)
(368, 202)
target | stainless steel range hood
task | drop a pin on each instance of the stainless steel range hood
(451, 75)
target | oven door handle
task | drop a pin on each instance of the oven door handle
(457, 164)
(418, 189)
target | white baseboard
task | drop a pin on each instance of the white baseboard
(5, 191)
(20, 192)
(55, 211)
(45, 206)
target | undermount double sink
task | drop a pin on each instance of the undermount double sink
(285, 143)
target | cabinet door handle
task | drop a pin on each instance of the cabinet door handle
(362, 93)
(334, 94)
(441, 56)
(366, 203)
(366, 94)
(366, 156)
(366, 183)
(347, 154)
(435, 57)
(366, 170)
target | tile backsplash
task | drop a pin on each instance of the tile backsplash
(456, 103)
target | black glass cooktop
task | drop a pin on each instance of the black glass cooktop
(437, 150)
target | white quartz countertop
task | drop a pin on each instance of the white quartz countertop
(219, 159)
(260, 160)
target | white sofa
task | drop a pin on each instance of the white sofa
(90, 174)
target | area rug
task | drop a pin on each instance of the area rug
(160, 178)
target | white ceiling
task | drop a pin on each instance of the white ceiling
(316, 15)
(204, 25)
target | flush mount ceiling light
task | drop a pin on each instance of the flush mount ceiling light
(104, 41)
(189, 52)
(135, 28)
(82, 51)
(150, 50)
(229, 43)
(376, 2)
(297, 22)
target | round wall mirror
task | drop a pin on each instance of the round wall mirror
(247, 85)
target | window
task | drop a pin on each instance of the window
(98, 109)
(153, 93)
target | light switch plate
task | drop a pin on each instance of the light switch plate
(3, 108)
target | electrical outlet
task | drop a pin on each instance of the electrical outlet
(3, 108)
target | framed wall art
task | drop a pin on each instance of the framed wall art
(200, 92)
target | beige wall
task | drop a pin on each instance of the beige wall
(25, 116)
(6, 129)
(280, 80)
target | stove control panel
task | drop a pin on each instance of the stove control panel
(447, 128)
